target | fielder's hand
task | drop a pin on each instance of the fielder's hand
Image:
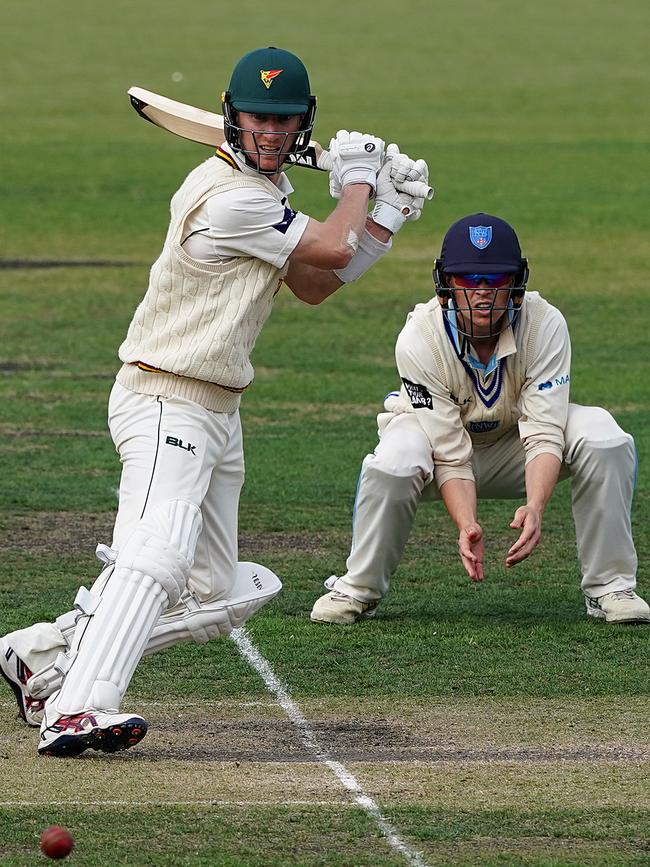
(529, 520)
(394, 207)
(472, 550)
(356, 159)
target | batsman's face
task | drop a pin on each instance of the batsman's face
(480, 310)
(268, 138)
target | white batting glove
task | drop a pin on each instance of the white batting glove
(393, 208)
(356, 159)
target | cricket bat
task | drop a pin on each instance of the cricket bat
(206, 127)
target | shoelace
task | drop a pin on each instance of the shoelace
(340, 597)
(623, 594)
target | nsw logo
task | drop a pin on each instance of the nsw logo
(480, 236)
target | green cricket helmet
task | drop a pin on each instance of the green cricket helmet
(269, 81)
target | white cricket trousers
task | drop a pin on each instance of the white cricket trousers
(599, 457)
(171, 449)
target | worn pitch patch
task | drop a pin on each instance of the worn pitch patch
(457, 754)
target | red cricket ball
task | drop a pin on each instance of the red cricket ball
(56, 842)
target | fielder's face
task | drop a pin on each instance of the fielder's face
(267, 139)
(481, 309)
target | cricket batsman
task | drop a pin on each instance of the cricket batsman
(172, 572)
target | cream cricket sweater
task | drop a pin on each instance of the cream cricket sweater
(461, 409)
(198, 322)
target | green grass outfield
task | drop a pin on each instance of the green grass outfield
(490, 724)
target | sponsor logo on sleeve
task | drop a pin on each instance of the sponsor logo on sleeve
(553, 383)
(418, 395)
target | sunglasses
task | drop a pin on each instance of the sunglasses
(473, 281)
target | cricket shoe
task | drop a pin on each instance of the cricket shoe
(335, 607)
(16, 673)
(621, 606)
(95, 730)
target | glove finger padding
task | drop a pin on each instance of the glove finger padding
(388, 208)
(401, 167)
(392, 151)
(419, 171)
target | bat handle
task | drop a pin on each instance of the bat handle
(417, 189)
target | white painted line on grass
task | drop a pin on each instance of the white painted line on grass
(275, 685)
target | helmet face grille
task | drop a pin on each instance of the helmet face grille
(460, 314)
(233, 131)
(500, 317)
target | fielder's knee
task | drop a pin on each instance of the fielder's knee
(391, 481)
(593, 424)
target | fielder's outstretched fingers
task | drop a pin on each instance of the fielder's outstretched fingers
(530, 522)
(471, 550)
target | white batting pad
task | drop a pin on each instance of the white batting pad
(254, 586)
(108, 646)
(113, 631)
(163, 545)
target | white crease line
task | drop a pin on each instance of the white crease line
(275, 685)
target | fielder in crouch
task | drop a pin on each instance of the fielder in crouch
(483, 412)
(172, 571)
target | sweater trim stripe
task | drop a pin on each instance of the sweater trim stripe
(149, 368)
(222, 155)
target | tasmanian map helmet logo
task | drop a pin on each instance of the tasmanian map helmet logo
(480, 236)
(268, 75)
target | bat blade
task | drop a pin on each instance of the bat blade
(195, 124)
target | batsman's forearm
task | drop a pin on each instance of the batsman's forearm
(311, 285)
(348, 219)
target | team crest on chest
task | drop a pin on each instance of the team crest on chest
(268, 76)
(480, 236)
